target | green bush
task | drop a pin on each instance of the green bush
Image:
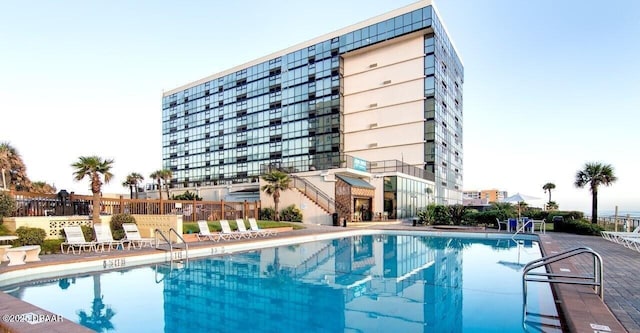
(291, 213)
(267, 214)
(457, 213)
(580, 227)
(116, 224)
(441, 215)
(427, 216)
(30, 236)
(3, 230)
(87, 232)
(487, 217)
(50, 246)
(567, 218)
(7, 205)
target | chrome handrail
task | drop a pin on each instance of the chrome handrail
(186, 246)
(595, 280)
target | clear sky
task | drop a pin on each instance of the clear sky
(549, 85)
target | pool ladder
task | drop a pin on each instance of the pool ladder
(594, 279)
(178, 255)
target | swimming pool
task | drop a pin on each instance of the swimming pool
(366, 283)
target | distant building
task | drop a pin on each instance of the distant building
(484, 196)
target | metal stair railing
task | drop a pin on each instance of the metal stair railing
(314, 194)
(171, 230)
(594, 280)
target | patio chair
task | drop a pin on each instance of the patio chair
(618, 236)
(105, 238)
(75, 240)
(242, 229)
(226, 232)
(260, 232)
(205, 232)
(132, 235)
(513, 224)
(500, 223)
(527, 224)
(631, 242)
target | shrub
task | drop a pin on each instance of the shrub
(7, 205)
(30, 236)
(565, 219)
(186, 196)
(267, 214)
(427, 216)
(457, 212)
(116, 224)
(441, 215)
(50, 246)
(3, 230)
(87, 232)
(581, 227)
(291, 213)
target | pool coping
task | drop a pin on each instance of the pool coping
(579, 306)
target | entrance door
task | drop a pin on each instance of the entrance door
(362, 209)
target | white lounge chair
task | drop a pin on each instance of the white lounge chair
(631, 242)
(75, 240)
(617, 236)
(242, 229)
(132, 235)
(226, 232)
(261, 232)
(105, 238)
(205, 232)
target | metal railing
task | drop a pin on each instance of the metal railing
(314, 193)
(168, 241)
(594, 280)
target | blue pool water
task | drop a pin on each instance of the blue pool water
(378, 283)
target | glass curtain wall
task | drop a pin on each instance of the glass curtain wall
(285, 111)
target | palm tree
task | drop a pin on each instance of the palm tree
(12, 168)
(595, 174)
(162, 176)
(277, 181)
(43, 188)
(552, 205)
(93, 167)
(547, 188)
(132, 181)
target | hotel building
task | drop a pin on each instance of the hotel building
(378, 99)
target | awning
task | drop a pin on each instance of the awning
(356, 182)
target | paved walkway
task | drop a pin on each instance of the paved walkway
(621, 274)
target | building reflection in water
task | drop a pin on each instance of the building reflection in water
(362, 284)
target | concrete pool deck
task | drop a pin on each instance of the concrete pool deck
(581, 308)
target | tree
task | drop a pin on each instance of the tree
(96, 169)
(595, 174)
(552, 205)
(547, 188)
(277, 181)
(162, 176)
(132, 181)
(43, 188)
(13, 172)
